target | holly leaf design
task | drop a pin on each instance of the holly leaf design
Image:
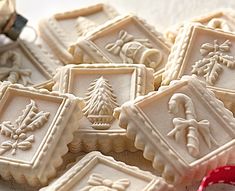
(6, 146)
(30, 109)
(32, 118)
(38, 120)
(6, 128)
(26, 144)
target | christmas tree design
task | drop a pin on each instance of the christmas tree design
(100, 102)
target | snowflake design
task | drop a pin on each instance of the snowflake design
(30, 120)
(214, 59)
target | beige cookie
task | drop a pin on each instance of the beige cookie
(103, 88)
(125, 39)
(25, 63)
(183, 129)
(35, 128)
(98, 172)
(62, 29)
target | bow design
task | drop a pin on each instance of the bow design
(200, 126)
(116, 47)
(190, 124)
(97, 182)
(15, 72)
(211, 49)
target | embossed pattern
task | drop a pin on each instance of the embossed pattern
(133, 50)
(194, 127)
(14, 72)
(98, 183)
(30, 120)
(215, 56)
(100, 102)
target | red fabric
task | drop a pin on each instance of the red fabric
(224, 174)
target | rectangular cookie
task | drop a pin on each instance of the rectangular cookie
(183, 129)
(125, 39)
(62, 29)
(206, 53)
(221, 20)
(25, 63)
(99, 172)
(103, 88)
(35, 128)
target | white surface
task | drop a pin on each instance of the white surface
(161, 13)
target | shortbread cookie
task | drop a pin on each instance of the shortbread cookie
(221, 20)
(35, 128)
(63, 29)
(25, 63)
(183, 129)
(125, 39)
(103, 87)
(98, 172)
(206, 53)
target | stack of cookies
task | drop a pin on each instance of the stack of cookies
(107, 83)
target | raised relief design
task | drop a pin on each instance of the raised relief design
(218, 23)
(215, 57)
(190, 124)
(30, 120)
(100, 103)
(98, 183)
(11, 68)
(132, 50)
(84, 25)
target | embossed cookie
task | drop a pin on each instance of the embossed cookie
(222, 20)
(103, 87)
(98, 172)
(125, 39)
(206, 53)
(62, 29)
(25, 63)
(35, 128)
(183, 129)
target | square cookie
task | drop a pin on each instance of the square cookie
(98, 172)
(125, 39)
(103, 87)
(206, 53)
(221, 20)
(183, 129)
(35, 128)
(25, 63)
(63, 29)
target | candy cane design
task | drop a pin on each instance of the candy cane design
(190, 124)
